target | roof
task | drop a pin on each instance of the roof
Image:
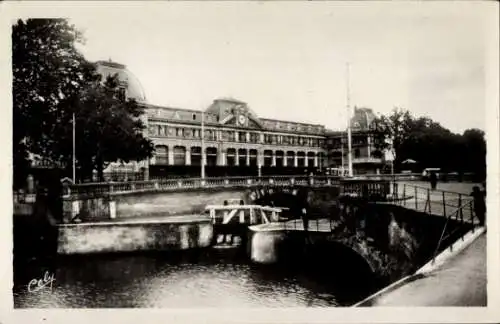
(133, 86)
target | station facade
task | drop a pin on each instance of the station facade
(239, 142)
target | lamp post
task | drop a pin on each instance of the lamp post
(342, 142)
(74, 149)
(202, 148)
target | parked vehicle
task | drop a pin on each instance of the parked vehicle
(427, 172)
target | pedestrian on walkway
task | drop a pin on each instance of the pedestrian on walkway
(479, 204)
(433, 179)
(305, 219)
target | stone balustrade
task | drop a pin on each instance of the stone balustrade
(101, 201)
(166, 185)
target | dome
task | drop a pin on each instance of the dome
(134, 87)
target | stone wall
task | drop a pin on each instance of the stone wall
(173, 203)
(132, 236)
(147, 204)
(394, 241)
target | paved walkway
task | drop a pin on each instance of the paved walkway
(459, 282)
(418, 198)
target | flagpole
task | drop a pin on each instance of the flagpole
(202, 147)
(342, 152)
(74, 149)
(349, 140)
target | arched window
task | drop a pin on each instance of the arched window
(179, 155)
(161, 154)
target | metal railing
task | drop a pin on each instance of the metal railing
(313, 224)
(431, 201)
(458, 216)
(366, 188)
(454, 206)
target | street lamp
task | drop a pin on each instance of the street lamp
(74, 149)
(202, 147)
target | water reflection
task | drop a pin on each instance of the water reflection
(210, 278)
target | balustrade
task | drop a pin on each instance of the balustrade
(367, 187)
(98, 189)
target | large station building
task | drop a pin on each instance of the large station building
(239, 142)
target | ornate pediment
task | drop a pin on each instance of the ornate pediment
(235, 113)
(242, 120)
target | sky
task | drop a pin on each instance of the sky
(288, 60)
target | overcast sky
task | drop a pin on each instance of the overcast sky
(288, 60)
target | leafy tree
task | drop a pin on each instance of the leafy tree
(392, 130)
(108, 128)
(395, 127)
(48, 73)
(475, 148)
(429, 143)
(51, 81)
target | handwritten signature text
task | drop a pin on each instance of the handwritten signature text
(38, 284)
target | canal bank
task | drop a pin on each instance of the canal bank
(457, 277)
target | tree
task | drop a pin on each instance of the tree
(475, 151)
(53, 81)
(48, 73)
(395, 127)
(108, 128)
(429, 143)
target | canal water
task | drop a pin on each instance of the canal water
(205, 278)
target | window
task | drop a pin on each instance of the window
(210, 135)
(194, 116)
(254, 137)
(356, 153)
(179, 155)
(161, 154)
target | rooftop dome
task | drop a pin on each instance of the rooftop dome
(134, 87)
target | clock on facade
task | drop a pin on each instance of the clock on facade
(241, 119)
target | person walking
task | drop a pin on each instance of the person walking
(479, 204)
(305, 219)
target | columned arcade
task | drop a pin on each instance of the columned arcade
(177, 155)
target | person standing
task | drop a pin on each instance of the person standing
(479, 204)
(305, 219)
(433, 180)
